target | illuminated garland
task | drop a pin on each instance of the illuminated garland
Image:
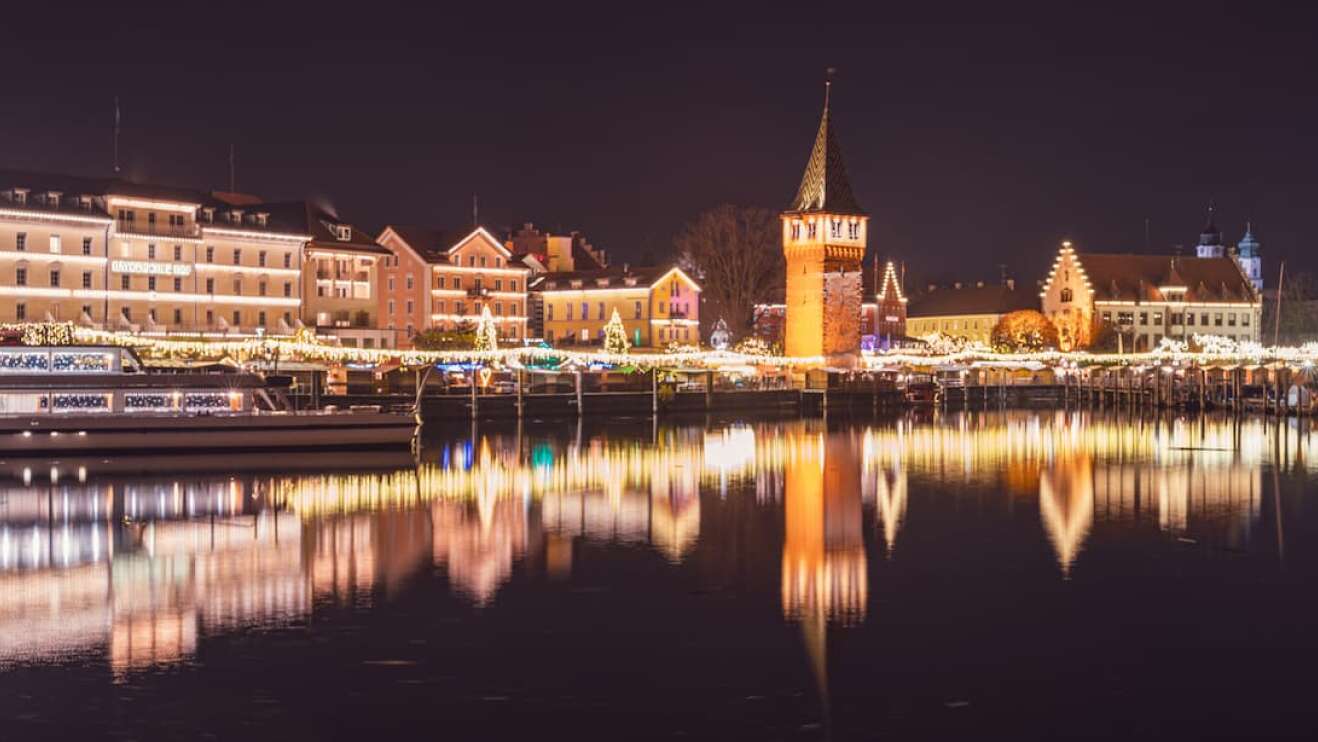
(306, 346)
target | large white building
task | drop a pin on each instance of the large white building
(119, 255)
(1149, 297)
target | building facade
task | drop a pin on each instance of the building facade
(824, 234)
(440, 280)
(119, 255)
(965, 311)
(1145, 298)
(657, 306)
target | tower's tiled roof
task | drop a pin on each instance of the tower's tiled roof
(824, 186)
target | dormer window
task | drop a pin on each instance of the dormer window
(53, 198)
(631, 280)
(20, 195)
(796, 230)
(208, 213)
(576, 284)
(602, 282)
(262, 218)
(85, 202)
(236, 216)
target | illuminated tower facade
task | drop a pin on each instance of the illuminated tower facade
(824, 238)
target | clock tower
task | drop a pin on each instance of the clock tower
(824, 238)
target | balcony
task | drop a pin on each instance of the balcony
(137, 226)
(478, 292)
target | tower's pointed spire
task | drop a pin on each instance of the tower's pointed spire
(824, 186)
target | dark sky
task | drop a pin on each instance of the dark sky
(974, 137)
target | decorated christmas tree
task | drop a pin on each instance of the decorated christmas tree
(615, 336)
(487, 336)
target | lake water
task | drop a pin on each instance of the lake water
(997, 575)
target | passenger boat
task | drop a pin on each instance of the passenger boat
(103, 398)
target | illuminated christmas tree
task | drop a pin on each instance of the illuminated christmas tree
(615, 336)
(487, 336)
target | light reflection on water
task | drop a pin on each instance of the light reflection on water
(138, 569)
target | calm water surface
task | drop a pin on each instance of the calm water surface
(980, 576)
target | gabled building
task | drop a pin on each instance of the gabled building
(443, 280)
(657, 306)
(1149, 297)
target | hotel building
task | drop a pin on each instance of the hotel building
(965, 311)
(118, 255)
(432, 279)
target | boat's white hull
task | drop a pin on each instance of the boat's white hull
(44, 434)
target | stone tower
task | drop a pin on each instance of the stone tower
(1210, 239)
(824, 237)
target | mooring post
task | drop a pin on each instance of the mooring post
(473, 392)
(709, 391)
(577, 378)
(520, 399)
(654, 391)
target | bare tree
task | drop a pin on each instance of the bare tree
(1299, 311)
(734, 252)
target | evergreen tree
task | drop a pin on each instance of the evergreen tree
(615, 336)
(487, 336)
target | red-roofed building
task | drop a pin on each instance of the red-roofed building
(1149, 297)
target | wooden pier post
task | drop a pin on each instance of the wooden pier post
(577, 378)
(473, 392)
(520, 399)
(709, 391)
(654, 391)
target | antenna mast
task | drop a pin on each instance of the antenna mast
(116, 135)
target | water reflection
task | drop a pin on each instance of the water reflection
(139, 568)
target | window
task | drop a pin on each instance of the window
(151, 218)
(457, 282)
(482, 261)
(151, 315)
(150, 252)
(569, 311)
(550, 310)
(471, 261)
(1144, 318)
(512, 285)
(439, 283)
(178, 316)
(56, 245)
(210, 285)
(477, 284)
(150, 283)
(288, 288)
(237, 256)
(1066, 296)
(391, 283)
(498, 308)
(178, 252)
(408, 282)
(498, 284)
(796, 230)
(86, 246)
(391, 306)
(460, 307)
(210, 317)
(410, 306)
(20, 276)
(1107, 317)
(1189, 318)
(54, 278)
(636, 310)
(260, 290)
(1177, 318)
(1244, 319)
(288, 260)
(86, 279)
(585, 310)
(87, 310)
(513, 308)
(178, 283)
(210, 254)
(20, 241)
(125, 282)
(1217, 319)
(260, 260)
(288, 319)
(238, 286)
(20, 312)
(260, 318)
(1231, 319)
(237, 318)
(1157, 318)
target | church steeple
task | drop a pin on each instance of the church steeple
(1210, 238)
(824, 186)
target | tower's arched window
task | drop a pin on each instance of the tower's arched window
(1066, 296)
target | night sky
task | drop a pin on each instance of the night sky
(981, 142)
